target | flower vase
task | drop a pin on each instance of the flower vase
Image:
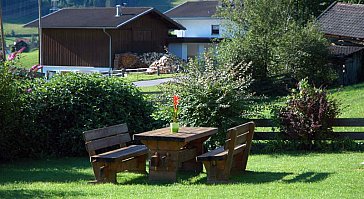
(174, 127)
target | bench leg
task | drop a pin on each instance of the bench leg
(96, 167)
(215, 171)
(109, 174)
(238, 164)
(137, 165)
(104, 173)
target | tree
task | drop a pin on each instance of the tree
(272, 36)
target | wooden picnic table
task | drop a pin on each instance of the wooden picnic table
(171, 152)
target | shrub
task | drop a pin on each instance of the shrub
(58, 111)
(308, 115)
(9, 113)
(211, 94)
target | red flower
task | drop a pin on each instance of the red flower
(175, 102)
(175, 107)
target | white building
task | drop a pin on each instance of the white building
(202, 27)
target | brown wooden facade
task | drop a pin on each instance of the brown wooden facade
(90, 47)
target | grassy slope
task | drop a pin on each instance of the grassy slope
(269, 176)
(19, 29)
(29, 59)
(352, 99)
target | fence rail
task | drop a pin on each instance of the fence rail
(338, 122)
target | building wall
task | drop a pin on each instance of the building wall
(75, 47)
(198, 27)
(90, 47)
(186, 51)
(354, 67)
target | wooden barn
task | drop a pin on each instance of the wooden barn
(343, 25)
(349, 60)
(91, 37)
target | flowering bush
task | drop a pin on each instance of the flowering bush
(213, 95)
(308, 115)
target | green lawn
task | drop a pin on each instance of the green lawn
(149, 89)
(19, 29)
(352, 99)
(296, 175)
(133, 77)
(29, 59)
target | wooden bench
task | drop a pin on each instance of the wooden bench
(107, 163)
(232, 157)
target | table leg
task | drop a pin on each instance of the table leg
(193, 165)
(163, 165)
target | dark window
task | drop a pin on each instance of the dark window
(215, 29)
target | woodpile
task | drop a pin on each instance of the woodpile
(128, 61)
(149, 58)
(167, 63)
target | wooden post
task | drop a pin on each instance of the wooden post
(2, 32)
(40, 32)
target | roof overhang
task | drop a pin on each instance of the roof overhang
(174, 25)
(194, 40)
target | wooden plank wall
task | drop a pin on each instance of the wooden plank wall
(90, 47)
(75, 47)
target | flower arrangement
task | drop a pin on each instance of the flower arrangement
(176, 99)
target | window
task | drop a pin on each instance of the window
(215, 29)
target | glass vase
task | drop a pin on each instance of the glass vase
(174, 127)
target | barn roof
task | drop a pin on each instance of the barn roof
(98, 18)
(193, 9)
(344, 50)
(343, 19)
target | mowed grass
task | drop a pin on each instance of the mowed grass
(18, 29)
(351, 99)
(295, 175)
(28, 59)
(141, 76)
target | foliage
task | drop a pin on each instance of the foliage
(308, 115)
(267, 34)
(303, 53)
(211, 93)
(11, 89)
(58, 111)
(9, 112)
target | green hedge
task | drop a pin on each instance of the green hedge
(55, 113)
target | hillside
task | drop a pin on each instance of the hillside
(22, 11)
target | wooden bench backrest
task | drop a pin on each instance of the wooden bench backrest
(239, 138)
(97, 139)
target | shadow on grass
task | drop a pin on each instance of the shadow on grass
(308, 177)
(21, 193)
(253, 177)
(63, 170)
(247, 177)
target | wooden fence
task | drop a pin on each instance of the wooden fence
(339, 122)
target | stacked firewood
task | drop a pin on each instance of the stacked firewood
(164, 62)
(128, 61)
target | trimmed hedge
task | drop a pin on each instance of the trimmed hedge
(55, 113)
